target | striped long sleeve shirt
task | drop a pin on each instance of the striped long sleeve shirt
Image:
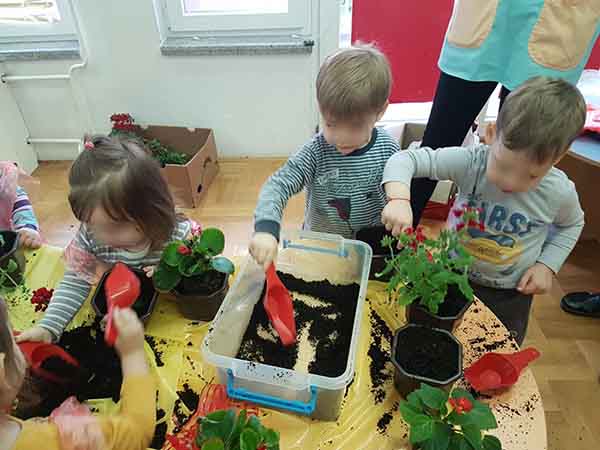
(23, 216)
(73, 290)
(343, 192)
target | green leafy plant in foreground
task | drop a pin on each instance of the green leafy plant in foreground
(193, 257)
(224, 430)
(443, 421)
(424, 268)
(9, 274)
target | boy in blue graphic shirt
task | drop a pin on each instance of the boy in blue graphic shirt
(520, 193)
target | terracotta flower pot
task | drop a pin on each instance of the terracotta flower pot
(425, 355)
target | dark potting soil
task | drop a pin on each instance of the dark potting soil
(329, 327)
(384, 421)
(205, 284)
(141, 305)
(160, 431)
(188, 398)
(427, 354)
(86, 344)
(379, 352)
(9, 241)
(154, 346)
(57, 365)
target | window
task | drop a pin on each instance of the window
(26, 20)
(236, 23)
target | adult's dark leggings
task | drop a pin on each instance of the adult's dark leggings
(455, 107)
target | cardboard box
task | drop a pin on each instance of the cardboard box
(188, 182)
(407, 133)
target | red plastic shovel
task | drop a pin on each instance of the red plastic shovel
(278, 304)
(499, 370)
(38, 352)
(122, 288)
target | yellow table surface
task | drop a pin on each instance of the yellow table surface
(519, 411)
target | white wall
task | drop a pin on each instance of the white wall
(257, 105)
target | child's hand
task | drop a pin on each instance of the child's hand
(396, 216)
(130, 342)
(263, 247)
(131, 331)
(35, 334)
(537, 280)
(29, 238)
(149, 271)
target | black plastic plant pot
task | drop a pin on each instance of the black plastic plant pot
(196, 302)
(425, 355)
(11, 251)
(143, 306)
(373, 236)
(449, 315)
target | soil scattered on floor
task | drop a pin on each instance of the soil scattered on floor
(379, 352)
(329, 320)
(160, 431)
(152, 342)
(386, 418)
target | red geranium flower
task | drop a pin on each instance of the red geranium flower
(461, 405)
(458, 212)
(41, 297)
(460, 226)
(184, 250)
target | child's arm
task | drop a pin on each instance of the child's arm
(568, 226)
(24, 221)
(290, 179)
(451, 163)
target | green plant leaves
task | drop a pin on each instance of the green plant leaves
(249, 439)
(459, 442)
(222, 264)
(491, 443)
(434, 398)
(480, 416)
(170, 255)
(213, 444)
(421, 429)
(271, 439)
(410, 414)
(473, 435)
(212, 241)
(166, 277)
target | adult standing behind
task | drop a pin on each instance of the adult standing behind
(507, 42)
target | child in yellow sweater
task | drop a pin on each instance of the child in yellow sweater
(132, 429)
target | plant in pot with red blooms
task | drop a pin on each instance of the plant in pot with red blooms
(442, 421)
(123, 125)
(193, 270)
(430, 276)
(226, 430)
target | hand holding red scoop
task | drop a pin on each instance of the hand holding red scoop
(122, 288)
(279, 307)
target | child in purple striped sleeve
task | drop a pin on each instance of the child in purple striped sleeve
(16, 212)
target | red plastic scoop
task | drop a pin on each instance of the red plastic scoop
(37, 353)
(278, 304)
(122, 288)
(498, 370)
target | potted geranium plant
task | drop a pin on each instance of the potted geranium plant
(12, 261)
(193, 270)
(443, 421)
(224, 430)
(430, 276)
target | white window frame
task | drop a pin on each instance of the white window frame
(63, 30)
(297, 21)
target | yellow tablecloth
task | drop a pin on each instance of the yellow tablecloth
(519, 411)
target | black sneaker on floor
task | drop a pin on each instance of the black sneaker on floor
(582, 303)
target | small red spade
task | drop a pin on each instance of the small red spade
(38, 352)
(122, 288)
(278, 304)
(499, 370)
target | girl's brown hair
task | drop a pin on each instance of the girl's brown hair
(119, 176)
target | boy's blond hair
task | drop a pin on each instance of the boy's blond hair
(542, 117)
(354, 82)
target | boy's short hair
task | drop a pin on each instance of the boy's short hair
(542, 117)
(353, 82)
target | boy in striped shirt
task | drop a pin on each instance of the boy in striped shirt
(341, 167)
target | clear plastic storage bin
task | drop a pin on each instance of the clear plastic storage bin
(310, 256)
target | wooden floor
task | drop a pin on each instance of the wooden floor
(567, 373)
